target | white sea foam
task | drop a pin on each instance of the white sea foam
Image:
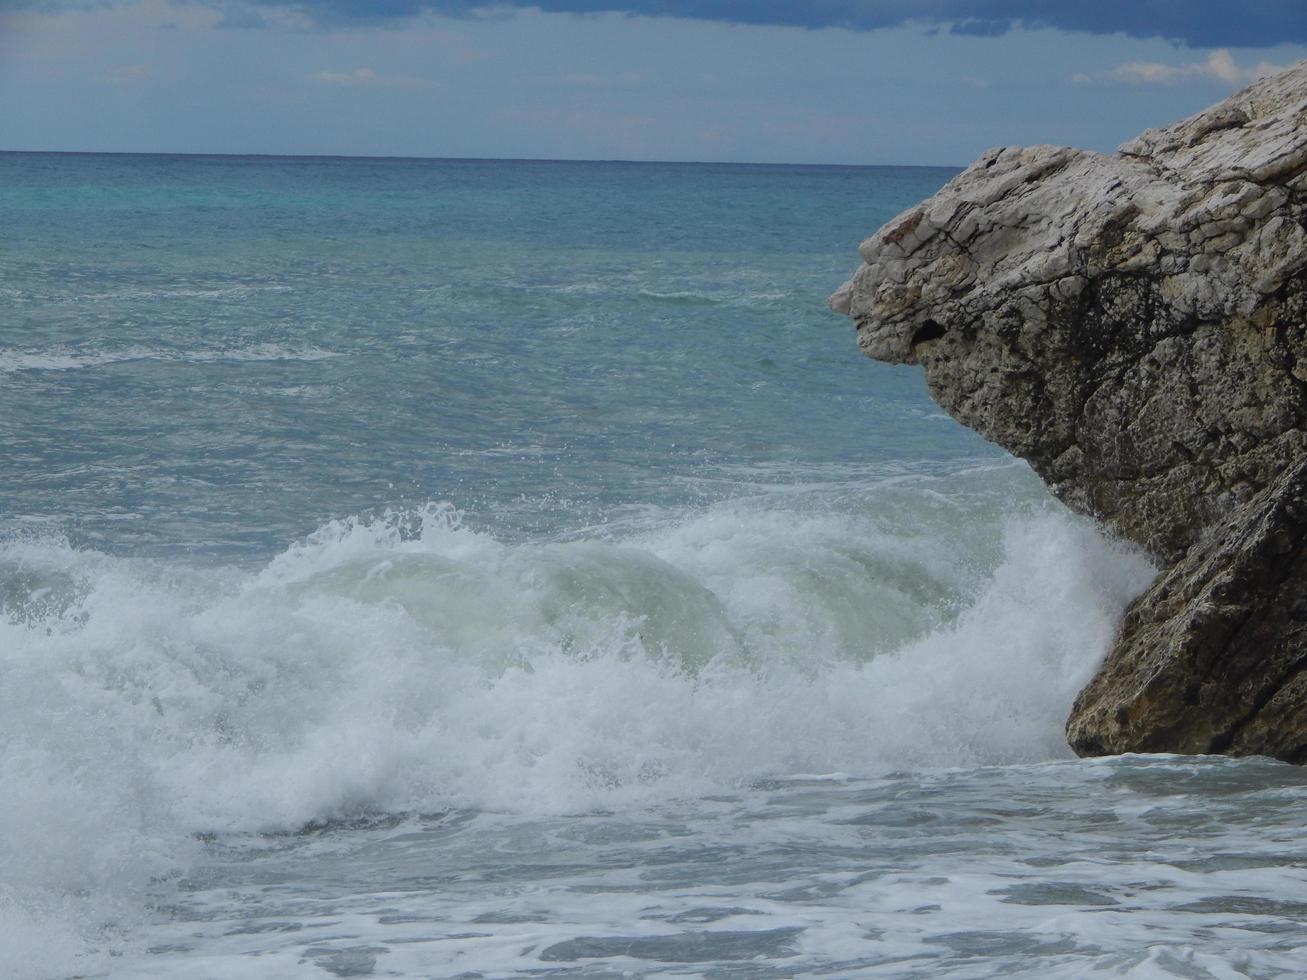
(132, 294)
(709, 297)
(1157, 867)
(72, 359)
(413, 665)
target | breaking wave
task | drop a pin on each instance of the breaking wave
(409, 663)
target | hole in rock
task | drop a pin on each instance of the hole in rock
(930, 330)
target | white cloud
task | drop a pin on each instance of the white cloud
(359, 76)
(1220, 66)
(124, 74)
(363, 77)
(603, 81)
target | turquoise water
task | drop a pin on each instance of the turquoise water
(219, 354)
(435, 568)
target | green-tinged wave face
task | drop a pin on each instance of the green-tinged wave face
(414, 664)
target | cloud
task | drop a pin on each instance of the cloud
(57, 5)
(603, 81)
(359, 76)
(124, 75)
(241, 18)
(1220, 66)
(1199, 24)
(1195, 23)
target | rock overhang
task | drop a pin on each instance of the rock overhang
(1135, 326)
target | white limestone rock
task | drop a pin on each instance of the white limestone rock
(1135, 326)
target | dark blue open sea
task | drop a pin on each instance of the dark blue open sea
(435, 568)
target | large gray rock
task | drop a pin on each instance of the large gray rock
(1135, 326)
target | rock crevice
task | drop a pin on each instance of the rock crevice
(1135, 326)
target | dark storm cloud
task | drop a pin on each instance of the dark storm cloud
(1197, 23)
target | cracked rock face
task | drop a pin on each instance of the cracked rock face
(1135, 326)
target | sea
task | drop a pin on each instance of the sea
(489, 569)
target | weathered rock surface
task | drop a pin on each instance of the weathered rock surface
(1135, 326)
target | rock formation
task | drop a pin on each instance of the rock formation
(1135, 326)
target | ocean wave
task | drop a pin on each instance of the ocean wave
(413, 664)
(733, 293)
(135, 293)
(681, 297)
(13, 360)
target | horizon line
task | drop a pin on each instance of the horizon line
(407, 157)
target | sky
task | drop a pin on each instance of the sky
(768, 81)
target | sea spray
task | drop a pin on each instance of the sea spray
(412, 664)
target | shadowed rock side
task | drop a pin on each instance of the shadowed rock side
(1135, 326)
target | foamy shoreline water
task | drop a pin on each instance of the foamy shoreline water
(412, 665)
